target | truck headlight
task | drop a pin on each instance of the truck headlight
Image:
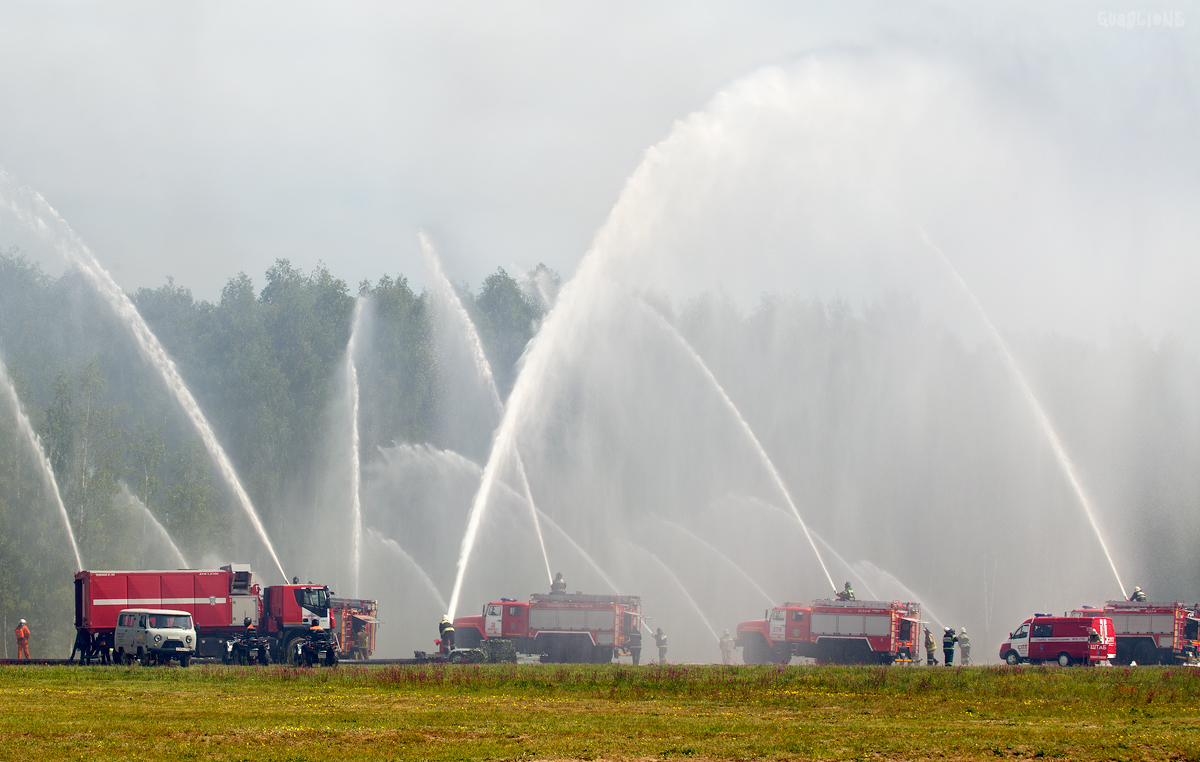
(188, 640)
(158, 638)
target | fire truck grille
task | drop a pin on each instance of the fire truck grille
(172, 644)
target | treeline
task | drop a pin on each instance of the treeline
(264, 364)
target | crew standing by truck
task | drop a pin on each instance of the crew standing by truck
(446, 635)
(964, 649)
(948, 641)
(930, 649)
(22, 633)
(660, 640)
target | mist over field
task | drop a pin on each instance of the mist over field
(922, 281)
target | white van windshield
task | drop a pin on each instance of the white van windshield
(169, 621)
(1021, 632)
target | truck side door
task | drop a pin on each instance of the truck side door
(493, 620)
(1020, 641)
(778, 626)
(1039, 634)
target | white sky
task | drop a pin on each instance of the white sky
(197, 140)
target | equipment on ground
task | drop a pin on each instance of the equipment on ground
(833, 632)
(560, 627)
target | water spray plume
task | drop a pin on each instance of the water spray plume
(42, 217)
(682, 589)
(35, 443)
(728, 561)
(356, 531)
(579, 549)
(1043, 419)
(159, 529)
(394, 546)
(441, 284)
(762, 453)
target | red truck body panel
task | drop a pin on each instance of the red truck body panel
(205, 595)
(593, 624)
(832, 631)
(1149, 632)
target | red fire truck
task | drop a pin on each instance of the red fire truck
(1150, 632)
(1073, 639)
(354, 622)
(833, 632)
(561, 627)
(219, 600)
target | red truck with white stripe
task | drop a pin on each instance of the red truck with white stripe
(561, 627)
(219, 600)
(1150, 632)
(1073, 639)
(833, 632)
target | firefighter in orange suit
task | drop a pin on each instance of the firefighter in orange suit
(22, 634)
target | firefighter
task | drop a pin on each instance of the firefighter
(315, 630)
(948, 641)
(251, 630)
(964, 649)
(1137, 595)
(660, 640)
(846, 593)
(22, 633)
(360, 643)
(726, 648)
(559, 585)
(446, 635)
(295, 580)
(930, 649)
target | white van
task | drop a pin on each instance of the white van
(154, 636)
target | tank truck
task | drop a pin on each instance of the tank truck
(219, 600)
(560, 627)
(1151, 632)
(833, 632)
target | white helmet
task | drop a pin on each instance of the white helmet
(22, 621)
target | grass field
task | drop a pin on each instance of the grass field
(606, 712)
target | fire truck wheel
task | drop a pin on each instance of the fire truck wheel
(289, 652)
(1064, 660)
(1145, 653)
(143, 658)
(1012, 659)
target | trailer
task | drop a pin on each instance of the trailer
(560, 627)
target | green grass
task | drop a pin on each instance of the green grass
(608, 712)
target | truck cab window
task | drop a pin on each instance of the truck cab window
(313, 598)
(1043, 631)
(494, 610)
(142, 621)
(1021, 632)
(514, 611)
(798, 616)
(778, 615)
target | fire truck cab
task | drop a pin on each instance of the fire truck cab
(1068, 640)
(782, 633)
